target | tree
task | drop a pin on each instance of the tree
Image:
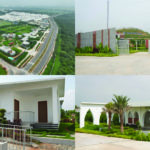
(109, 108)
(121, 106)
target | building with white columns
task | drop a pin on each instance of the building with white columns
(31, 102)
(136, 113)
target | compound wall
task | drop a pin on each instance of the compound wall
(96, 110)
(92, 39)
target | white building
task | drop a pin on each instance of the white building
(33, 102)
(7, 50)
(136, 113)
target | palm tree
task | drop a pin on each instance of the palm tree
(121, 106)
(109, 109)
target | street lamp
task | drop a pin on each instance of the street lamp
(107, 14)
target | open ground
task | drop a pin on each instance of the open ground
(96, 142)
(137, 63)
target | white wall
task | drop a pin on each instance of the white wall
(30, 103)
(6, 102)
(141, 112)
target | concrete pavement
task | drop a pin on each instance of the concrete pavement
(133, 64)
(97, 142)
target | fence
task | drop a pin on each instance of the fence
(93, 39)
(15, 137)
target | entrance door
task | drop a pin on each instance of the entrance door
(42, 111)
(16, 110)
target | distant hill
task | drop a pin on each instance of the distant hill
(134, 33)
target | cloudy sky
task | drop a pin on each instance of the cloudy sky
(92, 14)
(69, 99)
(102, 88)
(48, 3)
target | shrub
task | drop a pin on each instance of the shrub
(67, 127)
(138, 125)
(91, 126)
(115, 119)
(103, 118)
(2, 116)
(141, 137)
(89, 117)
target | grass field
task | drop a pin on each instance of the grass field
(17, 29)
(2, 71)
(4, 23)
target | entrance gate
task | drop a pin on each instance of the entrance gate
(123, 47)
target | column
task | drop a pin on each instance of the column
(55, 105)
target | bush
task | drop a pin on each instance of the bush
(103, 118)
(91, 126)
(89, 117)
(115, 119)
(67, 127)
(141, 137)
(2, 116)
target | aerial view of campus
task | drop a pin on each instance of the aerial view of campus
(32, 40)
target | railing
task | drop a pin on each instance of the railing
(15, 136)
(23, 116)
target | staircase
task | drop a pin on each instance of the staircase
(45, 126)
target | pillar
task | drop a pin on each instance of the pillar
(55, 105)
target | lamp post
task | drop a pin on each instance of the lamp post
(107, 14)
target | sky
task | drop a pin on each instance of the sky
(69, 99)
(92, 14)
(102, 88)
(47, 3)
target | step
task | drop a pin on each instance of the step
(44, 126)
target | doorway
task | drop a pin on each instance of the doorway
(42, 111)
(16, 109)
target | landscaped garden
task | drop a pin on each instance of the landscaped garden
(114, 128)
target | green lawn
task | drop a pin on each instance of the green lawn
(2, 71)
(136, 51)
(4, 23)
(18, 29)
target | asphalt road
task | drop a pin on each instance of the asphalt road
(45, 48)
(97, 142)
(133, 64)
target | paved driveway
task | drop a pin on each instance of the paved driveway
(96, 142)
(133, 64)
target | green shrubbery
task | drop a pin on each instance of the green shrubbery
(115, 119)
(103, 118)
(89, 117)
(100, 49)
(2, 116)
